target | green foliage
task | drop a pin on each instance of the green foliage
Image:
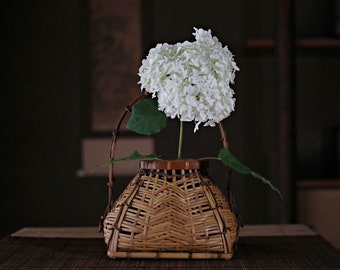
(134, 156)
(146, 119)
(224, 155)
(231, 161)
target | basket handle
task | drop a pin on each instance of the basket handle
(115, 132)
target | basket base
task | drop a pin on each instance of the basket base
(168, 255)
(167, 213)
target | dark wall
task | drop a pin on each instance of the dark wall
(45, 105)
(44, 93)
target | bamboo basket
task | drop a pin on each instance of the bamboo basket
(171, 210)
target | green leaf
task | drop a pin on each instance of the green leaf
(231, 161)
(134, 156)
(146, 119)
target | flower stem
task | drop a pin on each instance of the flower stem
(180, 141)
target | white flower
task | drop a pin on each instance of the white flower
(191, 79)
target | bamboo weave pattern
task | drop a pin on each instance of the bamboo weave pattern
(171, 213)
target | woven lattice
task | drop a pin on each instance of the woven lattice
(168, 212)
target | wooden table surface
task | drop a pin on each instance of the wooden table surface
(259, 247)
(92, 232)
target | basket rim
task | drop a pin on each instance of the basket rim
(172, 164)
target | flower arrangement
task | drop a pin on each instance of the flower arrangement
(189, 81)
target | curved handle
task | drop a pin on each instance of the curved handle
(227, 169)
(115, 132)
(127, 109)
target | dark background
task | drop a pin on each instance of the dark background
(46, 104)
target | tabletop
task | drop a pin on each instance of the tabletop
(259, 247)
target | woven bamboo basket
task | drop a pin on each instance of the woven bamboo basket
(170, 209)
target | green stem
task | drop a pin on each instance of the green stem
(180, 141)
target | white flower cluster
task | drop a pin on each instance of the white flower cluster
(191, 79)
